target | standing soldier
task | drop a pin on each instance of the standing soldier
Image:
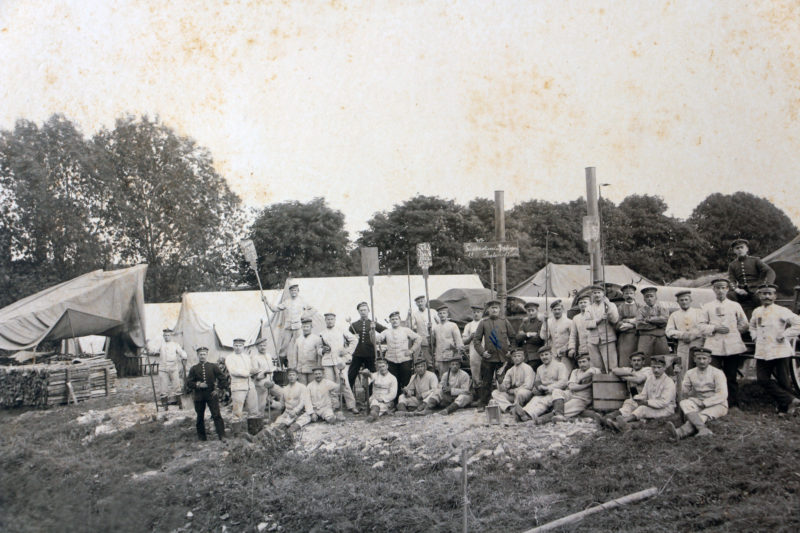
(305, 353)
(419, 323)
(171, 358)
(202, 381)
(337, 352)
(746, 273)
(492, 342)
(468, 336)
(555, 333)
(684, 325)
(627, 339)
(447, 342)
(602, 326)
(294, 307)
(262, 368)
(364, 352)
(651, 323)
(528, 335)
(579, 333)
(243, 391)
(772, 326)
(398, 354)
(723, 320)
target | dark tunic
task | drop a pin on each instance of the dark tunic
(749, 272)
(531, 345)
(365, 349)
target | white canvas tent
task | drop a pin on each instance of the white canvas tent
(157, 318)
(564, 280)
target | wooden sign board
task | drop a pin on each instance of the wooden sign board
(487, 250)
(369, 261)
(424, 255)
(249, 252)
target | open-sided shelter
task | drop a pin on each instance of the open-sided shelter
(785, 261)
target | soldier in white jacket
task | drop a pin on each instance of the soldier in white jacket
(705, 396)
(685, 326)
(171, 358)
(771, 327)
(724, 321)
(243, 389)
(384, 390)
(297, 402)
(337, 352)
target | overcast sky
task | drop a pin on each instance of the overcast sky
(368, 104)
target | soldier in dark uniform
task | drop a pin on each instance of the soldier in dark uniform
(746, 273)
(364, 353)
(528, 335)
(203, 379)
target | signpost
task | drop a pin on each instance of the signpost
(369, 267)
(425, 261)
(491, 250)
(251, 256)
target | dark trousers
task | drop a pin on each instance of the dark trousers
(748, 301)
(780, 390)
(402, 371)
(652, 345)
(355, 366)
(200, 409)
(729, 364)
(488, 368)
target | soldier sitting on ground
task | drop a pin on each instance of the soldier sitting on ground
(657, 399)
(550, 376)
(423, 383)
(384, 390)
(454, 391)
(705, 396)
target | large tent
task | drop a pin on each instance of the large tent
(564, 280)
(97, 303)
(785, 261)
(214, 319)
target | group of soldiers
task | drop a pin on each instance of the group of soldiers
(539, 372)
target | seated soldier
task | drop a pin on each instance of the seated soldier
(517, 385)
(634, 375)
(705, 396)
(297, 404)
(319, 393)
(578, 394)
(454, 389)
(384, 390)
(422, 384)
(657, 399)
(551, 375)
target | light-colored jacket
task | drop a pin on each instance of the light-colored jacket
(554, 374)
(521, 376)
(295, 398)
(709, 385)
(602, 330)
(420, 388)
(240, 368)
(767, 324)
(658, 393)
(459, 384)
(305, 353)
(687, 328)
(725, 313)
(320, 393)
(342, 344)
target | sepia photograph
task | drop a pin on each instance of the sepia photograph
(399, 266)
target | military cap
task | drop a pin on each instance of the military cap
(720, 280)
(306, 320)
(636, 354)
(545, 348)
(442, 306)
(290, 371)
(767, 287)
(628, 286)
(394, 313)
(658, 359)
(166, 330)
(420, 297)
(450, 358)
(293, 283)
(683, 293)
(584, 296)
(490, 303)
(649, 288)
(420, 361)
(360, 304)
(518, 351)
(239, 340)
(381, 360)
(329, 313)
(201, 349)
(598, 286)
(474, 306)
(317, 367)
(529, 305)
(694, 350)
(582, 356)
(739, 241)
(555, 303)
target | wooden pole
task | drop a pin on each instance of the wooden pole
(500, 235)
(577, 517)
(592, 211)
(464, 492)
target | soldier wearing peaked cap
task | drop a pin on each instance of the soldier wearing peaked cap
(422, 384)
(651, 323)
(705, 396)
(305, 353)
(364, 351)
(685, 326)
(528, 337)
(446, 340)
(293, 307)
(467, 336)
(203, 380)
(746, 273)
(556, 332)
(171, 357)
(337, 353)
(627, 337)
(492, 341)
(419, 323)
(401, 344)
(601, 324)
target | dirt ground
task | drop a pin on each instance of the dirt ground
(116, 464)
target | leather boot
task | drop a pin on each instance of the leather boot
(373, 414)
(697, 421)
(254, 425)
(401, 408)
(558, 411)
(237, 428)
(451, 408)
(682, 432)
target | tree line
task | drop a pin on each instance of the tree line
(139, 192)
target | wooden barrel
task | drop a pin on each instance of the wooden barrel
(608, 392)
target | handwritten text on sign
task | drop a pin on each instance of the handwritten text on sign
(485, 250)
(424, 255)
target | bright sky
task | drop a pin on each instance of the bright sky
(369, 103)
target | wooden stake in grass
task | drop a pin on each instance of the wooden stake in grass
(464, 493)
(577, 517)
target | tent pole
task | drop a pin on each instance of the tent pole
(266, 310)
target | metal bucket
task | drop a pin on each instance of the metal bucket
(493, 413)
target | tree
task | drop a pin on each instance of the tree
(640, 235)
(50, 223)
(298, 239)
(721, 218)
(442, 223)
(166, 205)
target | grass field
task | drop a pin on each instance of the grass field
(148, 477)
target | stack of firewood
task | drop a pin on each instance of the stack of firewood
(43, 385)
